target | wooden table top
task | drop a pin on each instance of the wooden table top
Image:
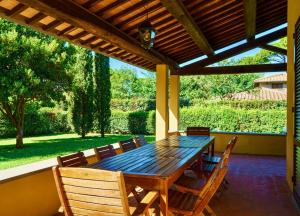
(160, 159)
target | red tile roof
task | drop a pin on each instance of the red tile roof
(271, 79)
(260, 94)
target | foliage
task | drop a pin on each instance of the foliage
(39, 121)
(102, 92)
(133, 122)
(125, 84)
(244, 104)
(234, 120)
(45, 147)
(32, 68)
(207, 87)
(83, 87)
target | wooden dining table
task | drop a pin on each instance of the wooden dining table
(157, 166)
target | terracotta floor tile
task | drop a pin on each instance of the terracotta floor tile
(257, 187)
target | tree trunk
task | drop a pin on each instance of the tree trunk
(102, 132)
(19, 140)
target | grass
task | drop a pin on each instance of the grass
(44, 147)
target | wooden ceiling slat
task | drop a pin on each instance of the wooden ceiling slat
(116, 4)
(90, 40)
(91, 3)
(52, 25)
(138, 16)
(222, 22)
(36, 18)
(16, 10)
(78, 16)
(129, 10)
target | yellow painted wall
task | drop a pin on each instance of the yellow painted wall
(252, 143)
(32, 195)
(293, 15)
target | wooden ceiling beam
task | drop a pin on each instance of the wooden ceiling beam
(274, 49)
(76, 15)
(239, 49)
(237, 69)
(250, 18)
(178, 10)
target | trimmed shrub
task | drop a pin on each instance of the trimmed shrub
(250, 104)
(234, 120)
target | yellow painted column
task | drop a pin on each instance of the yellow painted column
(162, 117)
(174, 103)
(293, 15)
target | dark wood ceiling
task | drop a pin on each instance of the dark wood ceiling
(99, 25)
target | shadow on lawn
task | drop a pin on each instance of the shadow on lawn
(54, 147)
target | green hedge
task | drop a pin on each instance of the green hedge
(139, 104)
(251, 104)
(37, 122)
(132, 122)
(48, 120)
(235, 120)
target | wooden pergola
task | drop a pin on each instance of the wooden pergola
(186, 29)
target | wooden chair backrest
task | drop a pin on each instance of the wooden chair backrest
(198, 131)
(84, 191)
(104, 152)
(174, 133)
(127, 145)
(211, 186)
(73, 160)
(140, 141)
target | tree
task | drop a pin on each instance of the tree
(102, 92)
(30, 69)
(83, 87)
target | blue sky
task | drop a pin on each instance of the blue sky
(116, 64)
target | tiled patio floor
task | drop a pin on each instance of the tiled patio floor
(257, 188)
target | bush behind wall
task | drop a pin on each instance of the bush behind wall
(49, 121)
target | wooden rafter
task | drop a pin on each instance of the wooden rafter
(76, 15)
(250, 18)
(237, 50)
(237, 69)
(274, 49)
(179, 11)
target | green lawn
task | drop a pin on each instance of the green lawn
(44, 147)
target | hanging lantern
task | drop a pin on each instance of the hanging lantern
(147, 34)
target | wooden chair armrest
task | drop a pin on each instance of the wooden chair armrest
(146, 202)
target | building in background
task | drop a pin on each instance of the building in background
(273, 88)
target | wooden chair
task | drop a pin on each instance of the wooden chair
(216, 159)
(192, 184)
(189, 201)
(84, 191)
(140, 141)
(127, 145)
(198, 131)
(104, 152)
(73, 160)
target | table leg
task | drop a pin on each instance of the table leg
(163, 198)
(213, 148)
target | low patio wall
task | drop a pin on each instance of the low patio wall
(252, 143)
(30, 190)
